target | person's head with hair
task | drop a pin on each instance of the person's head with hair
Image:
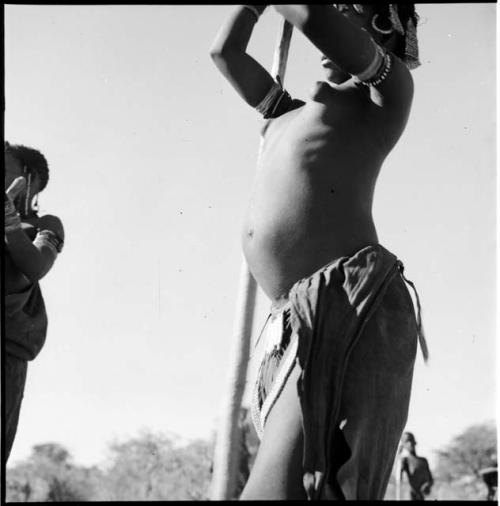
(400, 21)
(408, 442)
(392, 25)
(29, 163)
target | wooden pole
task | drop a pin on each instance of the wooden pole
(228, 442)
(398, 477)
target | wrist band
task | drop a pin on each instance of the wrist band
(378, 70)
(253, 10)
(382, 74)
(269, 104)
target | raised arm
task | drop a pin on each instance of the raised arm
(347, 43)
(247, 76)
(333, 34)
(33, 259)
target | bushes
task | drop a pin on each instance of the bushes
(153, 467)
(145, 468)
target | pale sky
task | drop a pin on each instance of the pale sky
(152, 156)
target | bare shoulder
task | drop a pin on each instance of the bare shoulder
(51, 222)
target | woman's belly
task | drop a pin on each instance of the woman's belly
(312, 197)
(298, 221)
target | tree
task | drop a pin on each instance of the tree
(151, 467)
(458, 466)
(148, 467)
(468, 453)
(50, 476)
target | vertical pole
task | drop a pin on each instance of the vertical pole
(398, 477)
(228, 440)
(227, 446)
(281, 52)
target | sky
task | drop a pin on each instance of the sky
(152, 157)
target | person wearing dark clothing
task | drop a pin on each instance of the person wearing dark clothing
(32, 243)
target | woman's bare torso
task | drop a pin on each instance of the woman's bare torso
(312, 197)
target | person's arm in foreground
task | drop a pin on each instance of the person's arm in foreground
(33, 259)
(228, 51)
(352, 48)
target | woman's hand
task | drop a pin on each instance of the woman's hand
(12, 219)
(229, 53)
(16, 187)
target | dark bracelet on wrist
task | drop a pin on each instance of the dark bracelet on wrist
(253, 10)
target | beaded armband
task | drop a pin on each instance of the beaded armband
(384, 71)
(378, 70)
(275, 97)
(50, 239)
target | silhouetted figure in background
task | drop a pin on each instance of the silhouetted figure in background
(490, 478)
(416, 468)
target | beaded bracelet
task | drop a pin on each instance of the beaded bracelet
(382, 75)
